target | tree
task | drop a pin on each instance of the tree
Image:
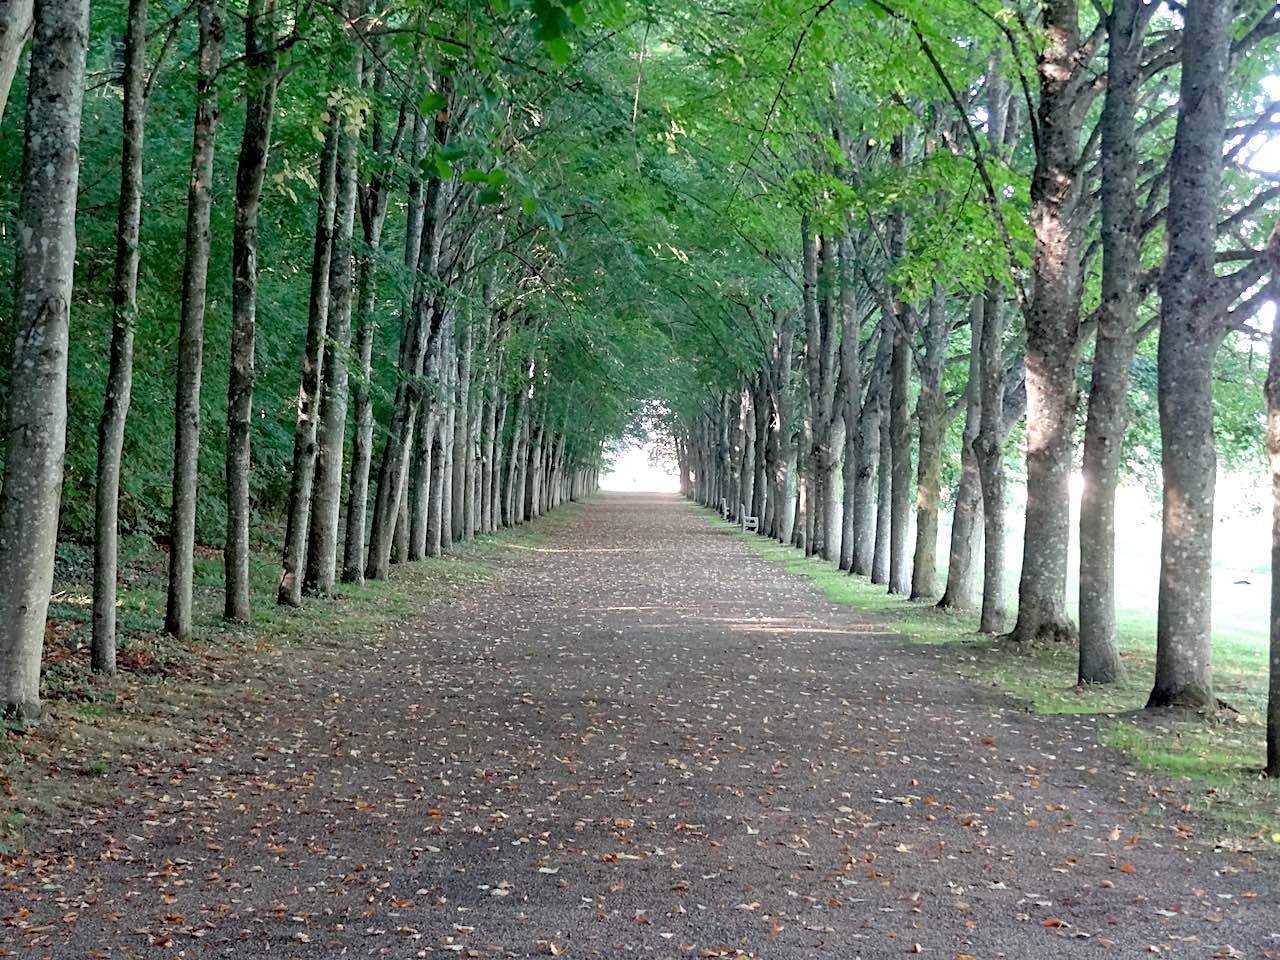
(36, 421)
(255, 143)
(1271, 392)
(1053, 318)
(15, 30)
(195, 275)
(322, 555)
(1116, 341)
(1191, 330)
(302, 474)
(124, 303)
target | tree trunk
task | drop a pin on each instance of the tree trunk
(36, 425)
(850, 396)
(1113, 351)
(420, 485)
(899, 443)
(195, 275)
(1271, 392)
(302, 475)
(989, 448)
(931, 414)
(419, 339)
(15, 29)
(436, 504)
(400, 544)
(322, 551)
(124, 313)
(373, 217)
(449, 423)
(1053, 326)
(496, 494)
(880, 565)
(966, 515)
(513, 472)
(760, 481)
(462, 430)
(260, 59)
(870, 449)
(1190, 333)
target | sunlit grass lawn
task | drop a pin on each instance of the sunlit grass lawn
(1220, 755)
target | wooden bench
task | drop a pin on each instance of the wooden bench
(724, 509)
(747, 522)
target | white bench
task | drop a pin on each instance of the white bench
(747, 522)
(724, 509)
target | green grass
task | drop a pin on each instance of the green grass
(164, 693)
(1218, 757)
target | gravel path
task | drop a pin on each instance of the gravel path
(640, 739)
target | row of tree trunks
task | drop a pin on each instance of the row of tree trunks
(420, 337)
(322, 549)
(373, 215)
(1199, 306)
(297, 519)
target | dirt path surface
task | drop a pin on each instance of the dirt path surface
(640, 739)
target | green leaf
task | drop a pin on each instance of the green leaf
(559, 50)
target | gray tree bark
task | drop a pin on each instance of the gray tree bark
(880, 568)
(124, 313)
(1271, 393)
(462, 431)
(420, 482)
(1108, 415)
(899, 449)
(36, 425)
(373, 213)
(1190, 333)
(509, 510)
(302, 474)
(418, 340)
(966, 516)
(850, 396)
(1053, 323)
(322, 550)
(931, 415)
(15, 30)
(255, 144)
(866, 543)
(989, 448)
(195, 275)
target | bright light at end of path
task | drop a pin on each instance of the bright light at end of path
(637, 469)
